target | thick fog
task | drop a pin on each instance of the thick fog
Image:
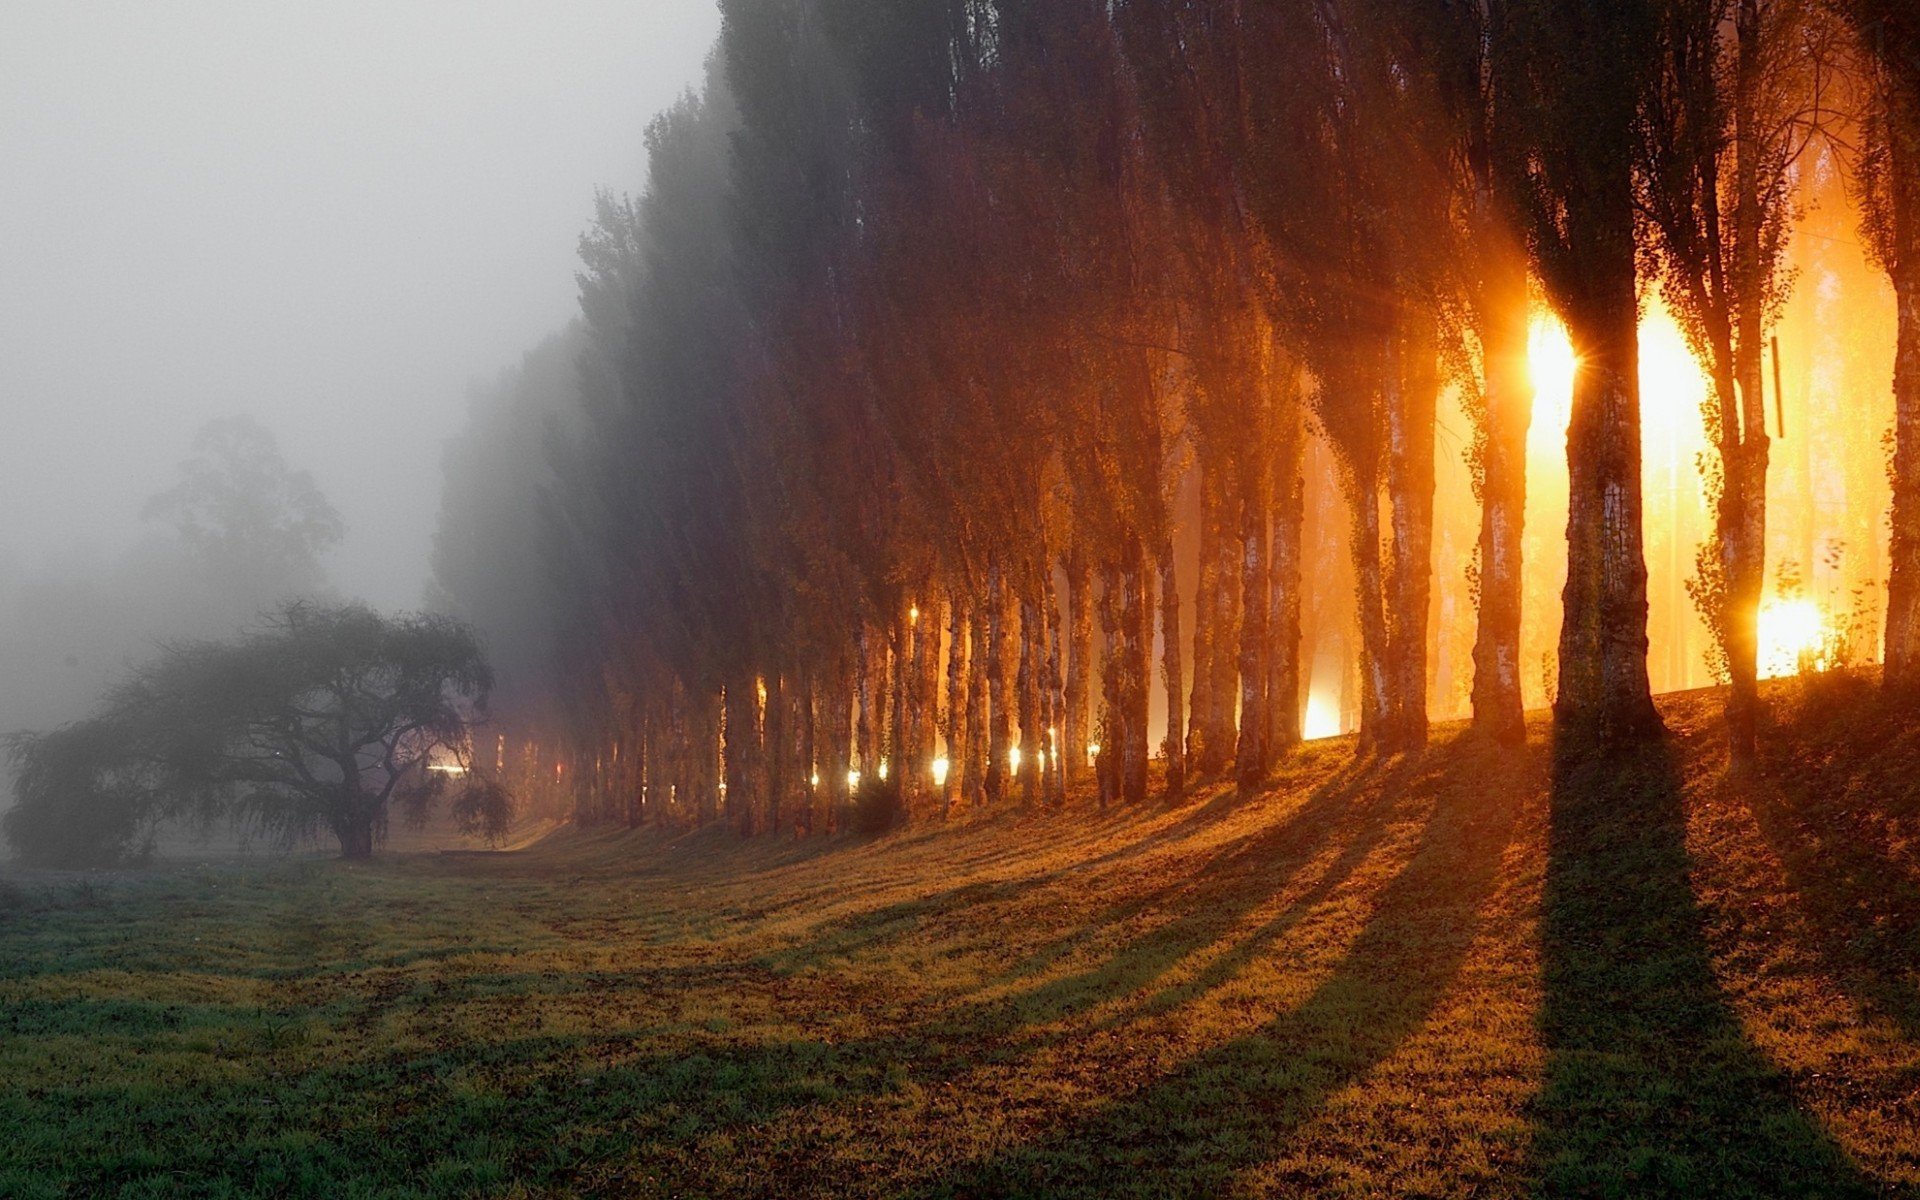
(330, 218)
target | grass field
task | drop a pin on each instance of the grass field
(1465, 974)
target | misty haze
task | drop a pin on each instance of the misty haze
(960, 598)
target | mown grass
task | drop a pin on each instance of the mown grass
(1469, 973)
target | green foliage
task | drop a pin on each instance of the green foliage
(876, 806)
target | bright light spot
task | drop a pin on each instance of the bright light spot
(940, 768)
(913, 615)
(1552, 367)
(853, 781)
(1793, 634)
(1013, 760)
(1323, 718)
(1672, 384)
(883, 768)
(1093, 753)
(448, 769)
(816, 779)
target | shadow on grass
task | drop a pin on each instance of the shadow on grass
(1240, 1104)
(1652, 1087)
(1834, 806)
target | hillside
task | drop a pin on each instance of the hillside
(1460, 975)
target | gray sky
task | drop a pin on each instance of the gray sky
(332, 216)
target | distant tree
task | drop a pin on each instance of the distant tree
(257, 527)
(320, 719)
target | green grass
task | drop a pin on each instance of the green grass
(1464, 974)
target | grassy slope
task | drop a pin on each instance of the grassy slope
(1457, 975)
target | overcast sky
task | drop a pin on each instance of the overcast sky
(332, 216)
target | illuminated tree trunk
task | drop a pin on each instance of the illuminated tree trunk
(1283, 584)
(865, 744)
(810, 773)
(978, 740)
(704, 753)
(1903, 238)
(956, 726)
(1112, 738)
(1170, 668)
(899, 727)
(926, 645)
(1250, 752)
(999, 687)
(1604, 697)
(1058, 749)
(1499, 708)
(1410, 484)
(738, 736)
(1206, 617)
(1363, 496)
(778, 751)
(1136, 621)
(1213, 751)
(1030, 741)
(1079, 662)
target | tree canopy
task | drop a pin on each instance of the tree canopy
(321, 720)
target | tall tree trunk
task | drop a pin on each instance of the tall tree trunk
(778, 749)
(1742, 518)
(1499, 708)
(1170, 669)
(1283, 569)
(809, 751)
(957, 729)
(1136, 624)
(1226, 641)
(1604, 697)
(1059, 749)
(999, 687)
(1250, 752)
(1206, 620)
(1410, 485)
(1031, 741)
(979, 752)
(1079, 662)
(866, 743)
(926, 646)
(1110, 736)
(1376, 685)
(899, 679)
(738, 736)
(1903, 558)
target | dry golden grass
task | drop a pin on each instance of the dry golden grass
(1464, 974)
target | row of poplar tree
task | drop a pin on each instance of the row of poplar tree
(890, 380)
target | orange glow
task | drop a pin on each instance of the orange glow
(1322, 718)
(1795, 635)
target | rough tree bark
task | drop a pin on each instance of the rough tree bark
(1206, 618)
(1604, 696)
(1284, 685)
(1170, 668)
(1079, 662)
(1410, 486)
(1250, 751)
(1499, 708)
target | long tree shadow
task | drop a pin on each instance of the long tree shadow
(1830, 809)
(1652, 1087)
(1238, 1104)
